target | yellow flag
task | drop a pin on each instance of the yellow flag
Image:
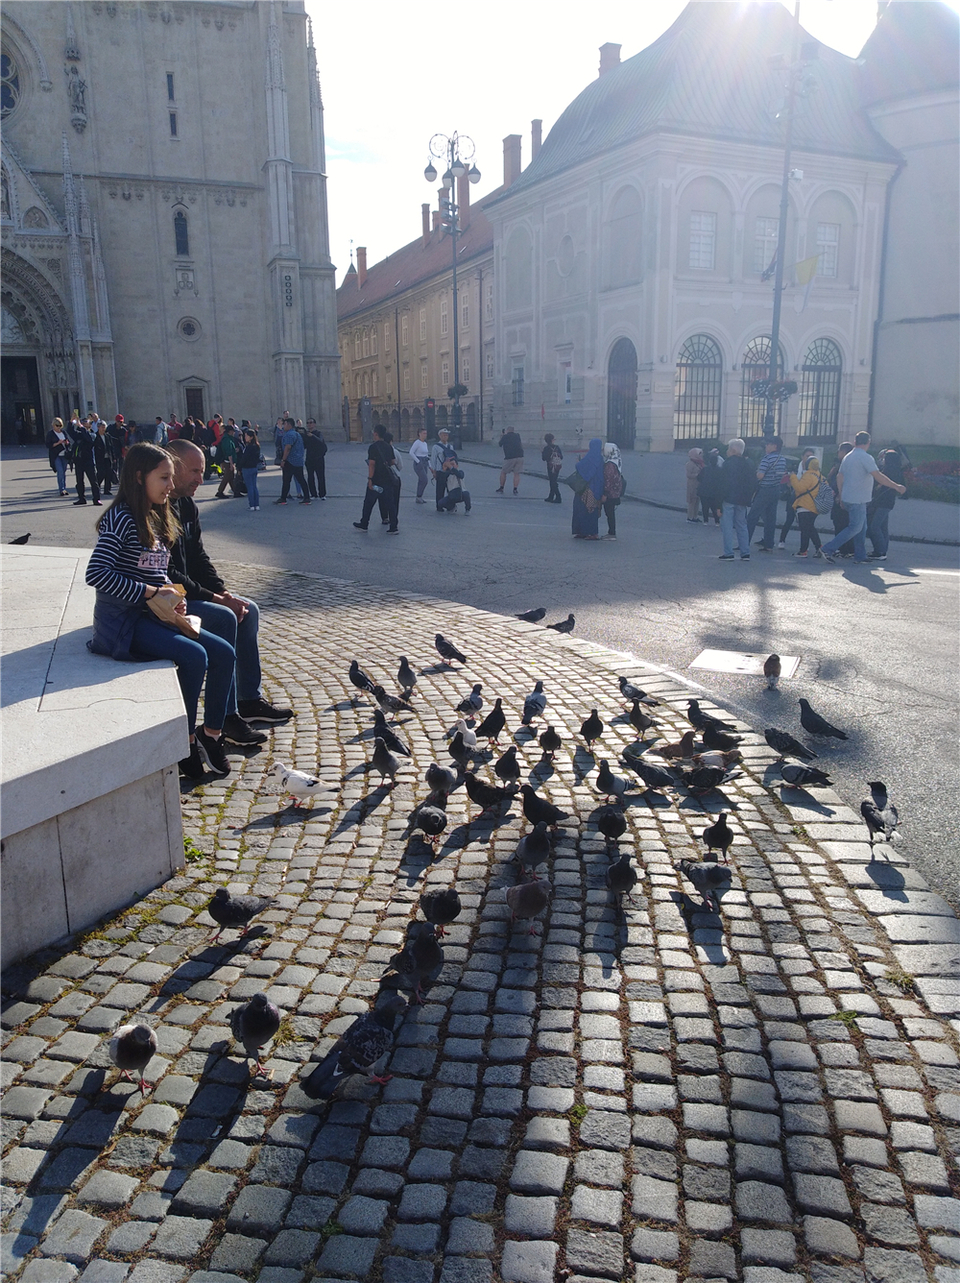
(806, 271)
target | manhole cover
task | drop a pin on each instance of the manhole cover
(740, 661)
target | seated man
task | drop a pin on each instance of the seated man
(220, 611)
(453, 492)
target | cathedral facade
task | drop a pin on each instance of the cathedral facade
(164, 219)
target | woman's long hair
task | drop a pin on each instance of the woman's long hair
(153, 522)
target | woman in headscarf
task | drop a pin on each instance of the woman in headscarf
(586, 505)
(695, 466)
(612, 486)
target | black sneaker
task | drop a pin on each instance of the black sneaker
(192, 767)
(258, 710)
(358, 525)
(727, 556)
(466, 501)
(236, 731)
(212, 752)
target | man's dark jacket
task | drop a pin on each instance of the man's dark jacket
(738, 480)
(189, 563)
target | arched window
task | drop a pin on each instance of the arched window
(699, 387)
(820, 390)
(622, 257)
(756, 365)
(180, 234)
(9, 85)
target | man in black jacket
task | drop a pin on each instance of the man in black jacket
(737, 484)
(88, 451)
(316, 468)
(236, 619)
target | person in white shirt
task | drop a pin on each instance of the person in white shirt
(420, 457)
(855, 481)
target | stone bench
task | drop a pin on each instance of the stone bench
(90, 814)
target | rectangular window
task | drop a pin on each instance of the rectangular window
(406, 380)
(170, 97)
(703, 240)
(765, 243)
(465, 314)
(404, 331)
(366, 343)
(173, 124)
(423, 374)
(566, 383)
(374, 332)
(489, 304)
(443, 316)
(386, 336)
(489, 365)
(828, 247)
(356, 346)
(423, 325)
(465, 371)
(445, 373)
(389, 381)
(518, 385)
(375, 382)
(359, 383)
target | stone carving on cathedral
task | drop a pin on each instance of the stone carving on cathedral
(77, 89)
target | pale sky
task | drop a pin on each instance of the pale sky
(392, 75)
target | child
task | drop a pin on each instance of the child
(453, 492)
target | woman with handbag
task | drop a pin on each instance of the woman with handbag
(250, 466)
(139, 614)
(805, 486)
(587, 483)
(613, 486)
(59, 448)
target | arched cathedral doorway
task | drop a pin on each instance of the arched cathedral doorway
(622, 394)
(39, 366)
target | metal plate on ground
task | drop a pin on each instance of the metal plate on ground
(739, 661)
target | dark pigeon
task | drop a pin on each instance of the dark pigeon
(563, 625)
(459, 751)
(782, 742)
(609, 784)
(639, 720)
(534, 705)
(441, 907)
(802, 777)
(487, 796)
(592, 728)
(357, 1051)
(406, 677)
(707, 877)
(704, 779)
(533, 616)
(654, 777)
(528, 900)
(534, 849)
(701, 720)
(771, 671)
(419, 958)
(473, 702)
(441, 781)
(621, 876)
(431, 820)
(393, 742)
(391, 703)
(550, 742)
(507, 768)
(491, 726)
(254, 1024)
(237, 910)
(611, 822)
(631, 692)
(447, 651)
(359, 679)
(880, 815)
(384, 762)
(712, 738)
(814, 724)
(537, 808)
(131, 1048)
(719, 836)
(25, 539)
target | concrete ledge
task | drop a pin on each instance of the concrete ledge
(90, 806)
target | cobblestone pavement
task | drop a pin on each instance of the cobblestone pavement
(651, 1092)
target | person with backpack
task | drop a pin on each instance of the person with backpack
(552, 456)
(890, 463)
(805, 486)
(613, 486)
(226, 457)
(791, 516)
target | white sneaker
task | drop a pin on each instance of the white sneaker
(781, 544)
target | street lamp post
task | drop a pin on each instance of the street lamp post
(457, 150)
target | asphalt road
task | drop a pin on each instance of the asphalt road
(878, 646)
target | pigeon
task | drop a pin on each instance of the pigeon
(698, 718)
(469, 737)
(298, 786)
(528, 900)
(631, 692)
(393, 742)
(254, 1024)
(592, 728)
(507, 768)
(384, 762)
(441, 781)
(717, 758)
(880, 814)
(621, 876)
(131, 1048)
(654, 777)
(487, 796)
(682, 749)
(713, 738)
(563, 625)
(609, 784)
(784, 744)
(237, 910)
(441, 907)
(537, 808)
(719, 836)
(611, 822)
(533, 849)
(533, 616)
(704, 779)
(638, 718)
(473, 702)
(550, 742)
(802, 777)
(25, 539)
(814, 724)
(491, 726)
(420, 955)
(459, 751)
(771, 671)
(406, 677)
(359, 679)
(534, 705)
(391, 703)
(357, 1051)
(706, 877)
(431, 821)
(447, 651)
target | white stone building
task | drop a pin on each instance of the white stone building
(164, 224)
(628, 257)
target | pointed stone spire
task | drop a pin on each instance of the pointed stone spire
(78, 285)
(72, 49)
(83, 209)
(100, 284)
(274, 52)
(313, 74)
(69, 190)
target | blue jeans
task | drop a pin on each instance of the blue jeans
(60, 466)
(877, 531)
(209, 656)
(244, 638)
(734, 517)
(857, 512)
(763, 511)
(250, 481)
(423, 476)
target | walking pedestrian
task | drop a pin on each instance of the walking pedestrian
(792, 514)
(587, 504)
(694, 467)
(512, 448)
(839, 516)
(382, 481)
(226, 457)
(763, 510)
(85, 463)
(250, 467)
(440, 451)
(804, 486)
(552, 456)
(710, 487)
(58, 451)
(316, 449)
(737, 490)
(420, 456)
(881, 505)
(855, 492)
(291, 461)
(117, 443)
(613, 486)
(104, 463)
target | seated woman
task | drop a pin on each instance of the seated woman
(128, 568)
